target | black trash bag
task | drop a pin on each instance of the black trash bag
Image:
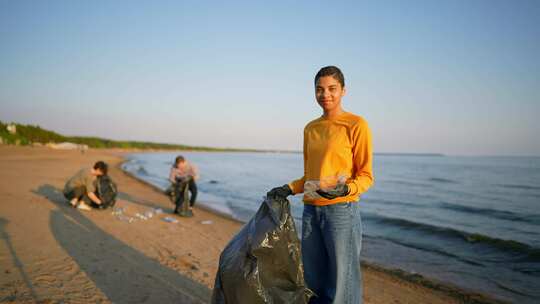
(170, 193)
(263, 263)
(175, 191)
(182, 197)
(106, 192)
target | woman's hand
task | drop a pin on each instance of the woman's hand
(280, 192)
(338, 191)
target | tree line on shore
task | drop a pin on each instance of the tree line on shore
(20, 134)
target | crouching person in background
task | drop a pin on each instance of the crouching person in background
(181, 172)
(81, 189)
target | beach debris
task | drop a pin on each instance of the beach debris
(141, 216)
(119, 213)
(125, 218)
(150, 213)
(169, 219)
(118, 210)
(207, 222)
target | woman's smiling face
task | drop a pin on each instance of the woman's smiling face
(328, 92)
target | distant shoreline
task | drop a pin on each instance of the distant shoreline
(30, 135)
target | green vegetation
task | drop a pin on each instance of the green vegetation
(27, 135)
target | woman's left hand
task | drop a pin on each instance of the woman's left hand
(338, 191)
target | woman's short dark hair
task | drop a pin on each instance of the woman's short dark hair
(101, 166)
(331, 71)
(179, 159)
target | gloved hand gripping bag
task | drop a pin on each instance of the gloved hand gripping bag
(263, 263)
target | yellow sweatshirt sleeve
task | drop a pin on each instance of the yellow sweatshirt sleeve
(362, 160)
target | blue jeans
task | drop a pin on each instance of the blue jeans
(331, 243)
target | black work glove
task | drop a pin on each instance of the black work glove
(339, 190)
(280, 192)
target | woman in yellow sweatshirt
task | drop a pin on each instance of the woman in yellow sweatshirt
(337, 170)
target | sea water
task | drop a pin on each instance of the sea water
(473, 222)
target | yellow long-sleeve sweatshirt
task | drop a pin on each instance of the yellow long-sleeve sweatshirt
(340, 146)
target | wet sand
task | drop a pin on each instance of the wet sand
(52, 253)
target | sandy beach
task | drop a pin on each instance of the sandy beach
(52, 253)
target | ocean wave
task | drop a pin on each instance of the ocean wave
(433, 250)
(513, 290)
(523, 187)
(525, 251)
(392, 202)
(408, 183)
(500, 214)
(442, 180)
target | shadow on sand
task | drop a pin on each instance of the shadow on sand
(121, 272)
(16, 261)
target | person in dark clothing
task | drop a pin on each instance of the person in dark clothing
(80, 189)
(183, 171)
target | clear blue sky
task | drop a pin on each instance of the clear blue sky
(455, 77)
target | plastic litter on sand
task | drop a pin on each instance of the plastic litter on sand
(149, 214)
(140, 216)
(169, 219)
(120, 214)
(125, 218)
(207, 222)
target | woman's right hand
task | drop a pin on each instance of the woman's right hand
(280, 192)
